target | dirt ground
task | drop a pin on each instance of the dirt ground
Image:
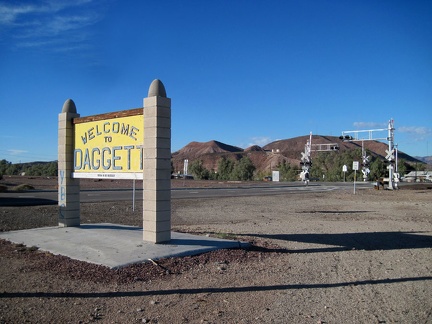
(331, 257)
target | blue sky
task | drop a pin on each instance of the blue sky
(241, 72)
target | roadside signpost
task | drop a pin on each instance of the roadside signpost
(355, 168)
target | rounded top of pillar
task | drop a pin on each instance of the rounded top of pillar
(69, 107)
(157, 89)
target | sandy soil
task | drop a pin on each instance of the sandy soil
(329, 257)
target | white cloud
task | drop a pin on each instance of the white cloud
(59, 24)
(419, 130)
(260, 141)
(16, 152)
(417, 133)
(43, 23)
(369, 125)
(10, 13)
(66, 23)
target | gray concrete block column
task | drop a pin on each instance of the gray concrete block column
(157, 165)
(68, 188)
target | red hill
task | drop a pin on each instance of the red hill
(272, 154)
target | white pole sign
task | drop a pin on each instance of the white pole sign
(185, 167)
(275, 175)
(355, 165)
(344, 170)
(355, 168)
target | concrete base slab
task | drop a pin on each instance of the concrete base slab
(114, 245)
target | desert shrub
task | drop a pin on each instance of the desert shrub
(199, 171)
(243, 169)
(225, 168)
(23, 187)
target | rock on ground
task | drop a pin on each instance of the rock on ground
(329, 257)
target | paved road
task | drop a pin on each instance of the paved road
(49, 197)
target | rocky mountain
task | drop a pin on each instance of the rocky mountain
(267, 157)
(425, 159)
(196, 149)
(208, 152)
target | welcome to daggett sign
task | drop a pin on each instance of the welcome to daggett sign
(109, 145)
(129, 144)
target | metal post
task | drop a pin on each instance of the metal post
(396, 151)
(133, 195)
(390, 154)
(355, 168)
(355, 175)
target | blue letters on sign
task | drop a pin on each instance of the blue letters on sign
(106, 158)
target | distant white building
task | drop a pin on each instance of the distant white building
(418, 176)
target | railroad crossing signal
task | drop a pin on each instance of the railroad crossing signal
(365, 166)
(368, 135)
(306, 160)
(305, 157)
(346, 138)
(366, 160)
(390, 155)
(324, 147)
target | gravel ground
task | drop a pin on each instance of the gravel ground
(329, 257)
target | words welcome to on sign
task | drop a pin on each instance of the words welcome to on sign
(109, 146)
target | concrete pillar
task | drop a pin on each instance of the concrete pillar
(157, 165)
(68, 188)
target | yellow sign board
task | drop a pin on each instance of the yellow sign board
(109, 148)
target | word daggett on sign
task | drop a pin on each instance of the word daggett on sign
(110, 145)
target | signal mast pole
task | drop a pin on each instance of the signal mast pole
(393, 176)
(306, 160)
